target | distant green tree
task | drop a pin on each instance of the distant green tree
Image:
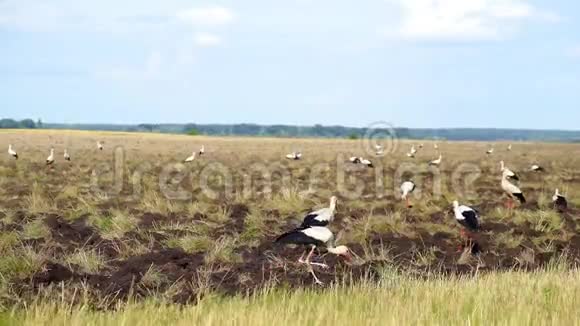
(27, 124)
(353, 136)
(9, 124)
(39, 123)
(193, 132)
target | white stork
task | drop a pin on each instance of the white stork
(490, 151)
(510, 174)
(313, 237)
(511, 190)
(190, 158)
(537, 168)
(366, 162)
(436, 162)
(435, 146)
(421, 146)
(202, 150)
(379, 150)
(406, 189)
(50, 158)
(12, 152)
(66, 155)
(294, 156)
(509, 148)
(560, 202)
(468, 218)
(321, 217)
(412, 152)
(99, 145)
(355, 160)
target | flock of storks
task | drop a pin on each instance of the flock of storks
(314, 232)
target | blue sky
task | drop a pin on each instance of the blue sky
(415, 63)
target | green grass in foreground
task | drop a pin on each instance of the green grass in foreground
(514, 298)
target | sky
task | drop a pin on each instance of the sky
(412, 63)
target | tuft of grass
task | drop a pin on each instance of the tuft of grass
(508, 240)
(118, 224)
(191, 243)
(38, 201)
(89, 261)
(8, 241)
(153, 278)
(254, 229)
(223, 251)
(35, 229)
(19, 263)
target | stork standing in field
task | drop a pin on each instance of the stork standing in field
(412, 152)
(467, 217)
(560, 202)
(435, 146)
(508, 172)
(12, 152)
(355, 160)
(202, 150)
(436, 162)
(421, 146)
(294, 156)
(407, 188)
(99, 145)
(509, 148)
(321, 217)
(511, 190)
(190, 158)
(66, 155)
(379, 150)
(50, 158)
(366, 162)
(313, 237)
(537, 168)
(490, 151)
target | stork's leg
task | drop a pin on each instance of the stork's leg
(462, 243)
(316, 280)
(310, 257)
(301, 259)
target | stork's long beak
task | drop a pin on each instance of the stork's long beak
(348, 257)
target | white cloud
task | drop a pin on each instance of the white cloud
(208, 16)
(465, 19)
(207, 40)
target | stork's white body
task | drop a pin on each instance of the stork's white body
(12, 152)
(437, 162)
(50, 158)
(190, 158)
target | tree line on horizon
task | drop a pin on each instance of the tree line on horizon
(317, 131)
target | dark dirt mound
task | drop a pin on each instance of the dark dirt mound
(52, 273)
(73, 234)
(173, 264)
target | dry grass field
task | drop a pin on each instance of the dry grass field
(134, 223)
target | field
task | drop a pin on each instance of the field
(134, 230)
